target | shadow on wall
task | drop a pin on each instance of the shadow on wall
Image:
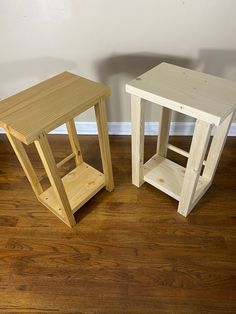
(218, 62)
(24, 73)
(114, 70)
(135, 64)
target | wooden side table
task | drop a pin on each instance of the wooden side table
(209, 99)
(27, 117)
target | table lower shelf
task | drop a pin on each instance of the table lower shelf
(80, 184)
(168, 177)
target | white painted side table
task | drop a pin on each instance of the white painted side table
(209, 99)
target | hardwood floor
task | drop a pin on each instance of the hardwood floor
(130, 251)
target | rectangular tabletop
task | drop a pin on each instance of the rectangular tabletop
(193, 93)
(49, 104)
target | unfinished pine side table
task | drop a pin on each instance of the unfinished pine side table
(209, 99)
(27, 117)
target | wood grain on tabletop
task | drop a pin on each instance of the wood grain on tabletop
(199, 95)
(49, 104)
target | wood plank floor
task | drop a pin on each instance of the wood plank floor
(130, 251)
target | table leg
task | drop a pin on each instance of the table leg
(164, 131)
(101, 117)
(137, 122)
(198, 148)
(74, 142)
(216, 148)
(49, 163)
(25, 163)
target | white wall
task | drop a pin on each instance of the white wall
(113, 42)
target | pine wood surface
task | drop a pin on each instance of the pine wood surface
(199, 95)
(80, 184)
(157, 168)
(47, 105)
(130, 251)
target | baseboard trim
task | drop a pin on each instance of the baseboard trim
(124, 128)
